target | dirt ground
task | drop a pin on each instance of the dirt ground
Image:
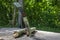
(6, 34)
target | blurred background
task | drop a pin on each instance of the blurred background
(42, 14)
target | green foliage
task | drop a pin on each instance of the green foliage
(41, 13)
(5, 11)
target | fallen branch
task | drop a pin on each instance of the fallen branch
(22, 32)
